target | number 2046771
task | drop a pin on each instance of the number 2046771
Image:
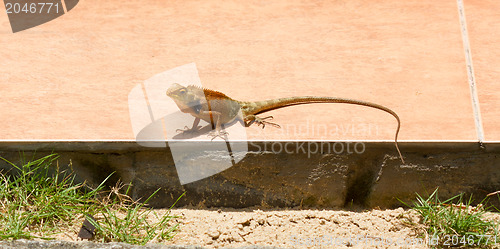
(457, 240)
(32, 8)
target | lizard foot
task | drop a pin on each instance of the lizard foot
(214, 134)
(263, 122)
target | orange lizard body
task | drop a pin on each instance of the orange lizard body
(217, 108)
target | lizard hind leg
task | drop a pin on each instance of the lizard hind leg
(260, 121)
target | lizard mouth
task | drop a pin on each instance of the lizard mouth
(170, 92)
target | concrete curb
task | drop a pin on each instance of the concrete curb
(375, 178)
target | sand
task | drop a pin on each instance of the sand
(294, 228)
(298, 228)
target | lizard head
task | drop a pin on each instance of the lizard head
(182, 96)
(176, 91)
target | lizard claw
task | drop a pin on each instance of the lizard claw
(214, 134)
(182, 130)
(263, 122)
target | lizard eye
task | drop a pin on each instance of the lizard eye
(182, 91)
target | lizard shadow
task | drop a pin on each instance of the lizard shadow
(192, 134)
(205, 130)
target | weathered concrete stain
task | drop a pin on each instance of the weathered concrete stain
(375, 178)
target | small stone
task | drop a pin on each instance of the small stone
(213, 233)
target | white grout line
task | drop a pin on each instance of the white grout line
(63, 3)
(250, 140)
(147, 102)
(470, 73)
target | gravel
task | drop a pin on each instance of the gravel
(32, 244)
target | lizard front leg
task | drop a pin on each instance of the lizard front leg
(250, 119)
(193, 129)
(215, 119)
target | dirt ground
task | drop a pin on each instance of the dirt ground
(214, 228)
(297, 228)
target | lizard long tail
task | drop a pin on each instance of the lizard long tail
(268, 105)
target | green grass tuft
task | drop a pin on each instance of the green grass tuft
(125, 220)
(37, 200)
(455, 222)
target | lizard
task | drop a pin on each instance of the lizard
(218, 109)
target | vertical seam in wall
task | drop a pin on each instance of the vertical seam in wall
(147, 102)
(63, 3)
(150, 110)
(470, 73)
